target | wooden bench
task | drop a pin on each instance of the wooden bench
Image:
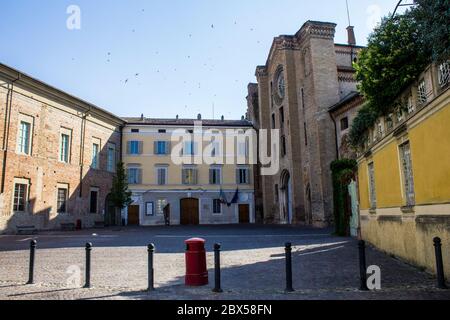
(68, 226)
(26, 230)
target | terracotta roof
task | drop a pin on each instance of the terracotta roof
(187, 122)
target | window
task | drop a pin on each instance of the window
(422, 92)
(134, 147)
(217, 206)
(410, 105)
(93, 202)
(64, 150)
(160, 205)
(243, 176)
(216, 148)
(111, 158)
(407, 173)
(277, 194)
(134, 176)
(444, 74)
(283, 146)
(243, 147)
(189, 176)
(162, 131)
(24, 138)
(62, 200)
(281, 116)
(95, 156)
(372, 191)
(303, 98)
(20, 197)
(161, 173)
(134, 130)
(215, 176)
(273, 121)
(344, 124)
(161, 147)
(189, 148)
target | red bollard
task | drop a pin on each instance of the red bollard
(196, 271)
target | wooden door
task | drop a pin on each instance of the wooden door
(244, 213)
(133, 215)
(190, 212)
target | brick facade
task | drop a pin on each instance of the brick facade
(317, 75)
(51, 113)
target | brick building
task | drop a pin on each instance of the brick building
(57, 158)
(304, 76)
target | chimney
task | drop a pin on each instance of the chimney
(142, 117)
(177, 117)
(351, 35)
(242, 118)
(222, 118)
(199, 116)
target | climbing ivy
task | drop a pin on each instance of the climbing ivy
(343, 171)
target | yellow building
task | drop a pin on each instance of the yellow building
(210, 188)
(404, 174)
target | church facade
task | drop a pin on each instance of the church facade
(304, 76)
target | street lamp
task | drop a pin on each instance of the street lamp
(400, 4)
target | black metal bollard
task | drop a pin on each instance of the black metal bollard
(217, 276)
(151, 283)
(288, 249)
(362, 265)
(33, 245)
(439, 263)
(88, 265)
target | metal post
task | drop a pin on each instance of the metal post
(88, 265)
(151, 250)
(217, 287)
(288, 249)
(33, 245)
(362, 265)
(439, 263)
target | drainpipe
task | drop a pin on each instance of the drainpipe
(8, 110)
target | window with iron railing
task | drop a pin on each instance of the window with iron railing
(422, 95)
(444, 74)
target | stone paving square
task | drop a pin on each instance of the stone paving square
(253, 266)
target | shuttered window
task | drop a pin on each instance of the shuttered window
(243, 176)
(134, 176)
(215, 176)
(189, 176)
(162, 147)
(161, 175)
(372, 190)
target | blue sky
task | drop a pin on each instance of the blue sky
(179, 56)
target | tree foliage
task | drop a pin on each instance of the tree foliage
(394, 58)
(433, 18)
(120, 195)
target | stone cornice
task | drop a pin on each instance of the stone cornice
(316, 29)
(261, 71)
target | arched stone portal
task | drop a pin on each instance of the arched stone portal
(286, 212)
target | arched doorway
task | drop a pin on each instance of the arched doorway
(286, 198)
(189, 211)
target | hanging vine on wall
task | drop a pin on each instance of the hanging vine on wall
(343, 172)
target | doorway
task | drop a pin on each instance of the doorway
(189, 211)
(286, 198)
(133, 215)
(244, 213)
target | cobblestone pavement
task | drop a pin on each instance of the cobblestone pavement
(324, 266)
